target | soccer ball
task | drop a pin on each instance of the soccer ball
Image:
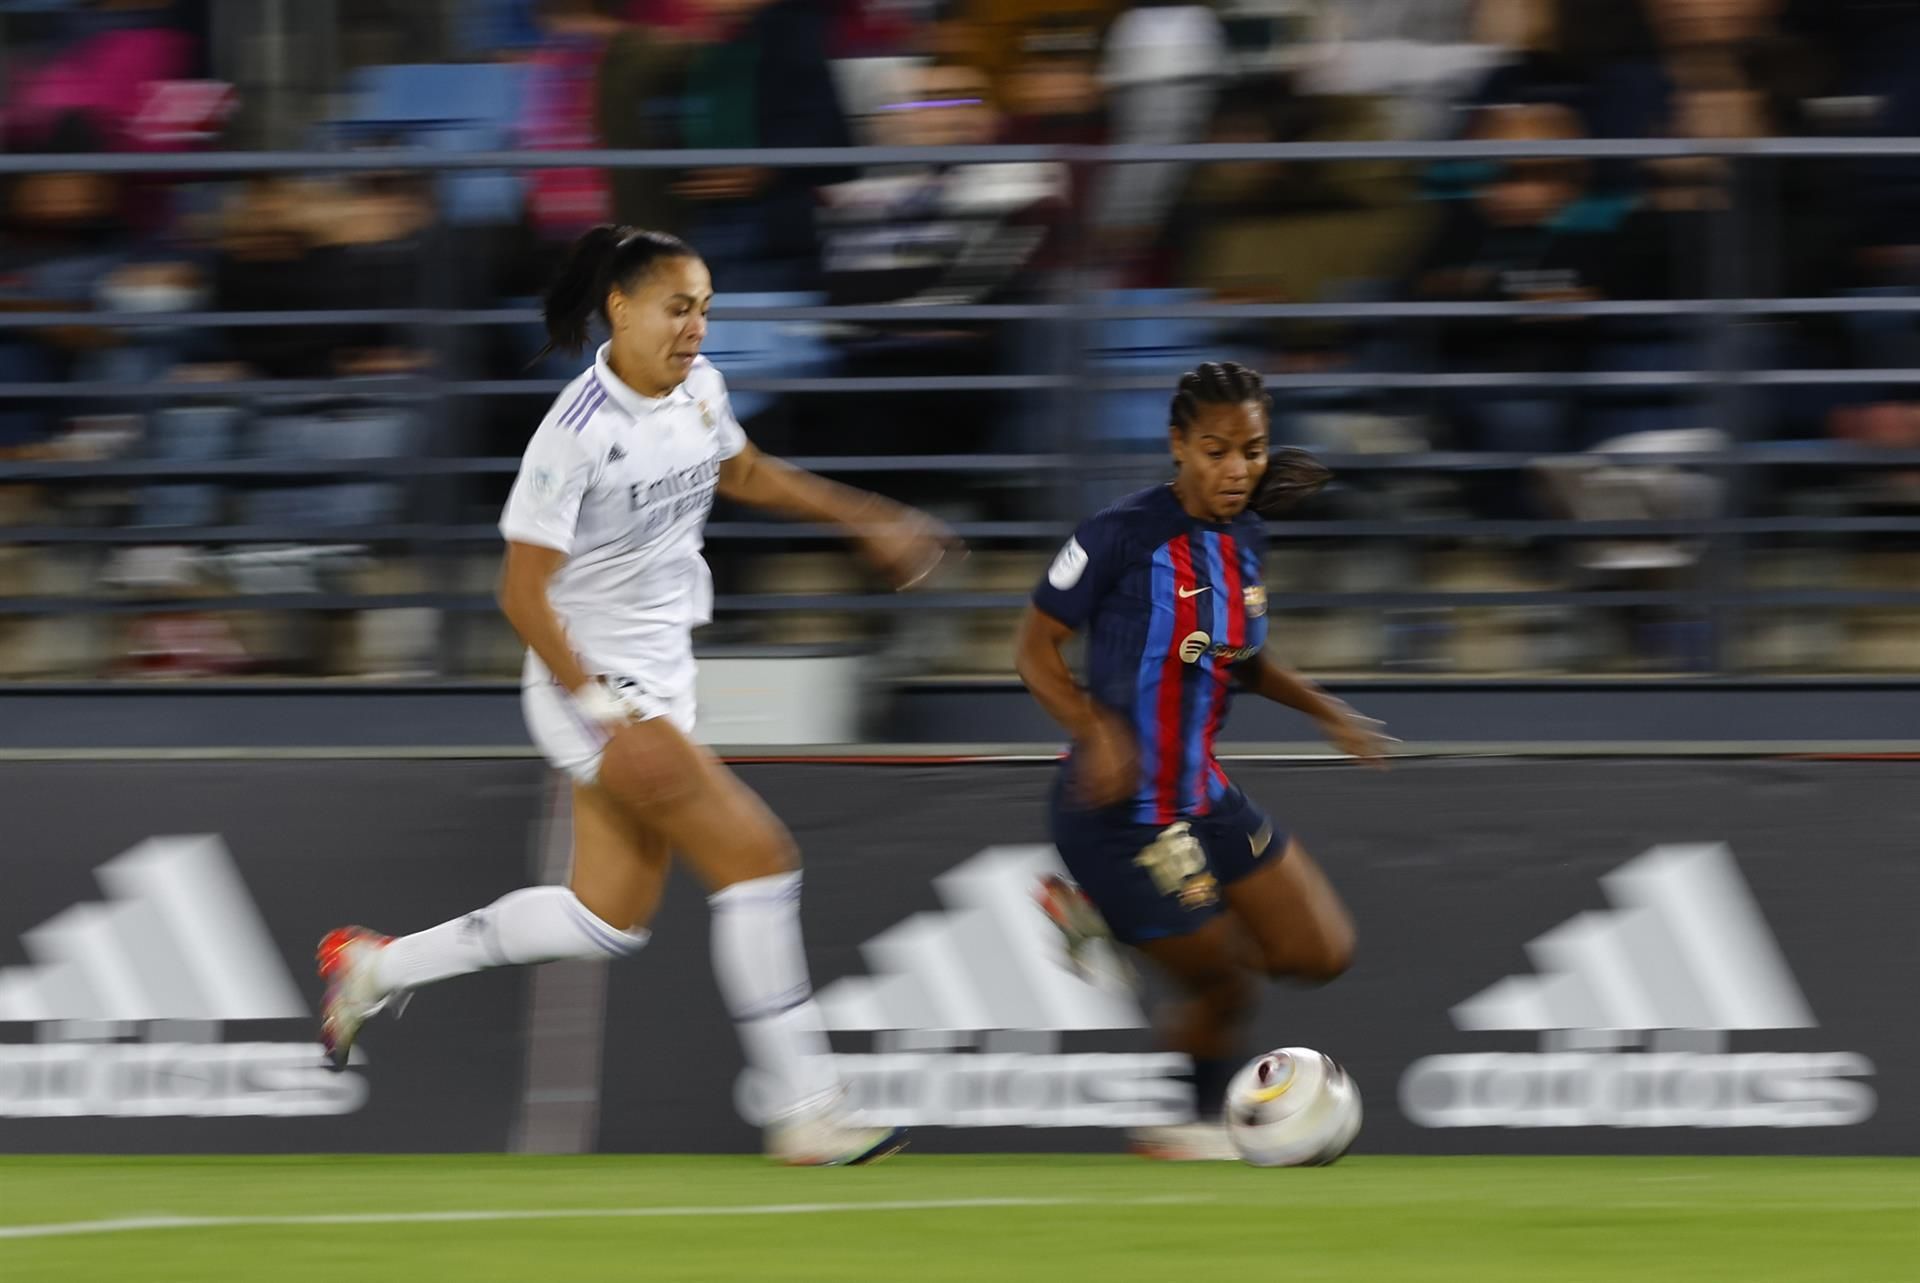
(1293, 1107)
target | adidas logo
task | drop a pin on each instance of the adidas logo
(616, 453)
(179, 939)
(176, 950)
(967, 1005)
(1684, 957)
(989, 961)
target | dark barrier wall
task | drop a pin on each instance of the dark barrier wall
(1592, 956)
(160, 918)
(1527, 930)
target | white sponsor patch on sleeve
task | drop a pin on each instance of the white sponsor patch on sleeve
(544, 486)
(1068, 566)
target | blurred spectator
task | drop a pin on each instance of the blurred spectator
(1533, 231)
(764, 81)
(1421, 58)
(498, 28)
(1052, 99)
(1293, 231)
(562, 90)
(642, 75)
(944, 233)
(1161, 70)
(1590, 55)
(293, 243)
(67, 244)
(102, 67)
(937, 234)
(990, 34)
(1052, 90)
(59, 239)
(1632, 478)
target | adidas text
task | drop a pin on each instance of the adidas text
(966, 1009)
(1653, 1089)
(1685, 956)
(173, 1080)
(126, 999)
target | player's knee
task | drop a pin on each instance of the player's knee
(1316, 962)
(775, 851)
(1329, 962)
(761, 848)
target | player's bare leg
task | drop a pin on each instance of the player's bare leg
(747, 860)
(618, 872)
(1296, 920)
(1208, 1022)
(619, 866)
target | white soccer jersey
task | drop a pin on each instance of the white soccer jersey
(622, 484)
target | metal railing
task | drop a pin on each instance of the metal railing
(1717, 590)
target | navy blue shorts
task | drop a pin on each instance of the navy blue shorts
(1150, 883)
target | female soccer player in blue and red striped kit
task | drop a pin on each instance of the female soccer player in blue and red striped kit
(1166, 585)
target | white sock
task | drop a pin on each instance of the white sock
(535, 924)
(762, 969)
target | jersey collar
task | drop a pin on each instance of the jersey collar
(636, 406)
(1174, 506)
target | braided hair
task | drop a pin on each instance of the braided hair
(1292, 476)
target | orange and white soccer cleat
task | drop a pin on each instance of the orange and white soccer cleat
(353, 996)
(1091, 951)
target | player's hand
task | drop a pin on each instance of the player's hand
(1358, 736)
(907, 546)
(1106, 763)
(603, 702)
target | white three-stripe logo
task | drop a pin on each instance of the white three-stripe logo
(991, 960)
(178, 939)
(1685, 947)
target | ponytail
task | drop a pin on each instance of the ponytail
(1293, 476)
(605, 257)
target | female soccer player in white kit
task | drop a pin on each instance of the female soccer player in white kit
(605, 582)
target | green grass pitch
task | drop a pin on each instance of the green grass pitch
(928, 1219)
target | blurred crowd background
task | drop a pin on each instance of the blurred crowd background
(184, 495)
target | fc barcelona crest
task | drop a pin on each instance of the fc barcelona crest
(1255, 598)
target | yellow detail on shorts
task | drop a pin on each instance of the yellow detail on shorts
(1177, 863)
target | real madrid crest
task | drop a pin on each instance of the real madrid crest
(1255, 600)
(706, 415)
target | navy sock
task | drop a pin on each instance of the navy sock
(1210, 1078)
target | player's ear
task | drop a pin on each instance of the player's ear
(1176, 441)
(617, 308)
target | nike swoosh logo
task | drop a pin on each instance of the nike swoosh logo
(1192, 592)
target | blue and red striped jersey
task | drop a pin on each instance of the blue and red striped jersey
(1169, 604)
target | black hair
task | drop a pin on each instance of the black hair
(1293, 475)
(604, 258)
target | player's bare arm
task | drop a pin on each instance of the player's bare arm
(523, 600)
(1109, 760)
(901, 543)
(1349, 731)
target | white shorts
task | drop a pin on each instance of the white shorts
(571, 742)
